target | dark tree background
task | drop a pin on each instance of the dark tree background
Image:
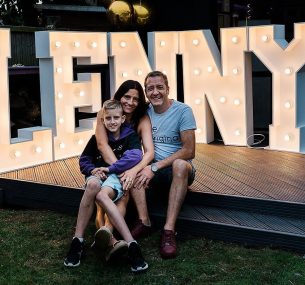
(18, 12)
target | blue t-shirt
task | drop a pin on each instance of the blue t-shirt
(166, 128)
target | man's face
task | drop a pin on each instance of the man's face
(113, 119)
(157, 91)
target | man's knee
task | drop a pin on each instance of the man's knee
(181, 168)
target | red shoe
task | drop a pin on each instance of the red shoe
(168, 246)
(140, 230)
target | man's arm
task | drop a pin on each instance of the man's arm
(186, 152)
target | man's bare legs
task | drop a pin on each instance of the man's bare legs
(181, 171)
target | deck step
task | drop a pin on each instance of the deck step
(234, 202)
(245, 227)
(248, 221)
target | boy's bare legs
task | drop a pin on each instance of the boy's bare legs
(103, 220)
(104, 199)
(86, 206)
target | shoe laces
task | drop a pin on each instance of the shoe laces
(168, 238)
(135, 253)
(75, 249)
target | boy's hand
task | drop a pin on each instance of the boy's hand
(100, 172)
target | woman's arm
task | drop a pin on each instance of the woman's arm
(102, 140)
(144, 130)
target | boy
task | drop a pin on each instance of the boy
(127, 148)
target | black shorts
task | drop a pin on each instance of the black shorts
(160, 184)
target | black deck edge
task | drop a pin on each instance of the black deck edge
(1, 197)
(264, 206)
(66, 200)
(250, 237)
(41, 196)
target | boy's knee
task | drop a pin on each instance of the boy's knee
(102, 196)
(93, 186)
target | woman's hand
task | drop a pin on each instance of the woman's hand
(143, 178)
(127, 178)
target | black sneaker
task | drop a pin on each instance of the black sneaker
(75, 253)
(137, 261)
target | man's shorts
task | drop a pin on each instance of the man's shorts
(160, 184)
(113, 182)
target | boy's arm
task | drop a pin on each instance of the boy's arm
(130, 157)
(86, 164)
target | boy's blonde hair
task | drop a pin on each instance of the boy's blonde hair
(111, 105)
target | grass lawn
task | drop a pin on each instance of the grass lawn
(33, 245)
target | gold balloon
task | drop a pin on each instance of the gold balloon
(142, 14)
(119, 12)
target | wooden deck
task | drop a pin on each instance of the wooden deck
(250, 196)
(227, 170)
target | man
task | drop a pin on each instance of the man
(173, 130)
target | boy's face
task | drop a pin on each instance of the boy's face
(113, 119)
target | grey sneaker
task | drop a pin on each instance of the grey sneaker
(117, 250)
(137, 261)
(75, 253)
(102, 238)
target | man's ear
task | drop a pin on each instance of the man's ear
(123, 118)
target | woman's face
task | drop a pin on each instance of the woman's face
(130, 101)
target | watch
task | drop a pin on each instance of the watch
(154, 168)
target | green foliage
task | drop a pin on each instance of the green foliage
(18, 12)
(10, 14)
(34, 244)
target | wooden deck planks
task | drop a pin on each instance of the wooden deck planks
(227, 170)
(252, 175)
(73, 165)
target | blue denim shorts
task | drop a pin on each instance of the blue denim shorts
(113, 182)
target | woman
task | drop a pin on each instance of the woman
(132, 98)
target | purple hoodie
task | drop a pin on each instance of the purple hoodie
(127, 149)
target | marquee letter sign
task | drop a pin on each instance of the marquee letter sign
(33, 145)
(216, 86)
(285, 61)
(60, 94)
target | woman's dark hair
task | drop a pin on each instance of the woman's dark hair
(140, 111)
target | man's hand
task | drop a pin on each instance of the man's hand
(143, 177)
